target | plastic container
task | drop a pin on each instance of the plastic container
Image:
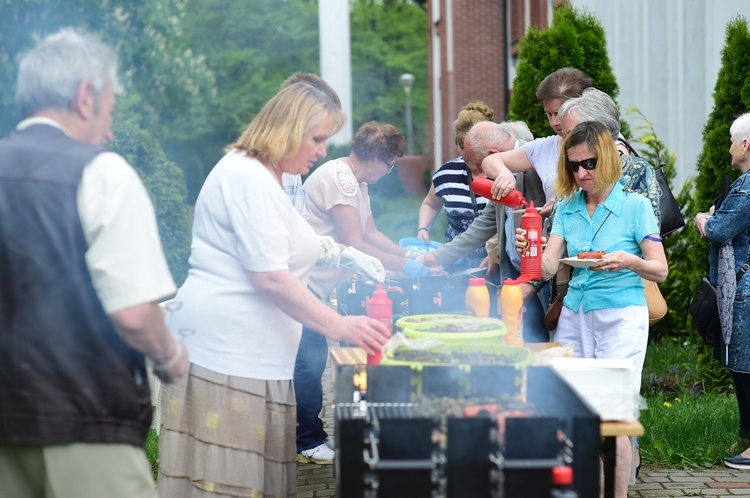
(562, 483)
(417, 246)
(483, 186)
(477, 298)
(477, 354)
(379, 307)
(531, 257)
(511, 306)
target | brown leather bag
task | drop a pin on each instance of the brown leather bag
(657, 306)
(553, 312)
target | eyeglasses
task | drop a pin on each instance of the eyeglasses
(587, 164)
(388, 165)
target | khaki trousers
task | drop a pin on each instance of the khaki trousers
(75, 471)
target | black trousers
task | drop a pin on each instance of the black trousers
(742, 390)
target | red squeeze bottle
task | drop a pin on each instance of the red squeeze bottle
(482, 186)
(531, 257)
(379, 307)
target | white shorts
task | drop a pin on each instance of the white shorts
(620, 333)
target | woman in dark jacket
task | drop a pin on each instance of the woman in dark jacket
(727, 227)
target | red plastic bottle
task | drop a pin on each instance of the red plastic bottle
(531, 257)
(380, 307)
(562, 483)
(482, 186)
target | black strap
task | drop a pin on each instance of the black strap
(471, 192)
(743, 269)
(600, 227)
(628, 146)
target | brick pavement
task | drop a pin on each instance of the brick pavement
(315, 481)
(661, 482)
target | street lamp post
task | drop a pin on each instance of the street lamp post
(407, 80)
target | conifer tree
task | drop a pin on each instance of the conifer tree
(731, 98)
(574, 39)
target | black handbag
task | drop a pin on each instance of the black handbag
(671, 216)
(704, 310)
(669, 210)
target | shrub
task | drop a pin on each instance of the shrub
(165, 181)
(574, 39)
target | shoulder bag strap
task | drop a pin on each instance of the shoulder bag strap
(629, 147)
(471, 193)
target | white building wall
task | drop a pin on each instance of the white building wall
(666, 56)
(335, 58)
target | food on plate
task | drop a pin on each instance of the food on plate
(591, 254)
(464, 324)
(436, 317)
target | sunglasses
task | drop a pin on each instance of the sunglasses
(390, 166)
(587, 164)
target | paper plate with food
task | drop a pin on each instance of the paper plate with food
(585, 259)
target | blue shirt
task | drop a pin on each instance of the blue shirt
(619, 223)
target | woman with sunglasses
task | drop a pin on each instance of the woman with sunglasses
(604, 313)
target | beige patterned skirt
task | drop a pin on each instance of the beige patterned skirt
(227, 436)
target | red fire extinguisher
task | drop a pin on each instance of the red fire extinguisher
(379, 307)
(531, 257)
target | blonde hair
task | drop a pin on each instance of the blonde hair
(597, 138)
(471, 114)
(276, 132)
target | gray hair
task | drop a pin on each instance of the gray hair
(49, 74)
(486, 135)
(519, 130)
(740, 129)
(593, 105)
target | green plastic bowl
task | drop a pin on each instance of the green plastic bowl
(480, 354)
(464, 331)
(416, 321)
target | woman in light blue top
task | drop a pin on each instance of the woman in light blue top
(604, 314)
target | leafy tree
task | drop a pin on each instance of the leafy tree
(250, 47)
(731, 98)
(165, 182)
(159, 76)
(388, 39)
(574, 39)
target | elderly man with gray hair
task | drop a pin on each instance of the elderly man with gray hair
(82, 272)
(483, 139)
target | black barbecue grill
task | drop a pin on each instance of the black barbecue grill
(384, 450)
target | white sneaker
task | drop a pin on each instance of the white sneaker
(321, 454)
(330, 442)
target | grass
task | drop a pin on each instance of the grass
(686, 431)
(152, 452)
(690, 422)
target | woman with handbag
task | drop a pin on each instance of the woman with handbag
(604, 313)
(727, 227)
